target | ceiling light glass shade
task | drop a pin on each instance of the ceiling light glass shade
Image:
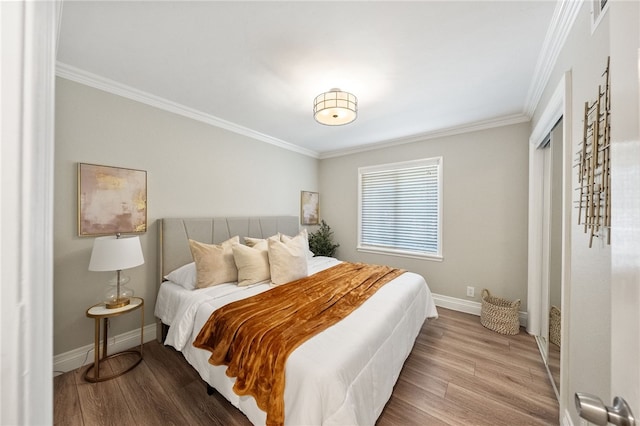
(335, 108)
(114, 254)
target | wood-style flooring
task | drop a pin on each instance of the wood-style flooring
(459, 373)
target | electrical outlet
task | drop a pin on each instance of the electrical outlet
(471, 291)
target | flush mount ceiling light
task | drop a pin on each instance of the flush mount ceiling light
(335, 108)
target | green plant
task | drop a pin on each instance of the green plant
(321, 241)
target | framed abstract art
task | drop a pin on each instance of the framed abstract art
(111, 200)
(309, 208)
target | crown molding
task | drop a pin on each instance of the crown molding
(561, 23)
(451, 131)
(101, 83)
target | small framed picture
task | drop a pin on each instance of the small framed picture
(111, 200)
(309, 208)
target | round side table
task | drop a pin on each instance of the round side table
(98, 312)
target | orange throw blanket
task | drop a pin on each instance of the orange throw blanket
(254, 336)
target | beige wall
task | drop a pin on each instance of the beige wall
(193, 169)
(485, 200)
(585, 55)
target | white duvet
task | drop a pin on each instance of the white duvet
(342, 376)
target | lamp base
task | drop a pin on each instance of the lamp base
(118, 303)
(117, 296)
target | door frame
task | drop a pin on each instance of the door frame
(559, 106)
(29, 39)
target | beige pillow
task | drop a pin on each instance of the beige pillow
(252, 263)
(214, 262)
(288, 259)
(302, 234)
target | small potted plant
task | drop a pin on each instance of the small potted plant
(321, 241)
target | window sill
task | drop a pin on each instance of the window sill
(400, 253)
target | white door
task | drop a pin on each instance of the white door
(625, 254)
(624, 19)
(625, 247)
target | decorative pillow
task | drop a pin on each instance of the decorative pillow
(214, 262)
(252, 263)
(302, 234)
(288, 259)
(184, 276)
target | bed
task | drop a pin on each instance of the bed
(343, 375)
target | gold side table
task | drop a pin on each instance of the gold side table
(98, 312)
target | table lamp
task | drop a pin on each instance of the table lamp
(113, 253)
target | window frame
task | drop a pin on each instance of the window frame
(598, 10)
(361, 247)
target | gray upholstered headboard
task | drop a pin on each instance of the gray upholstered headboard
(174, 235)
(176, 232)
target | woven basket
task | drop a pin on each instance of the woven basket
(554, 325)
(499, 315)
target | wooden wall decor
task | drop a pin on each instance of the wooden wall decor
(594, 166)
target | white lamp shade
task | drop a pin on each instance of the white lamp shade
(113, 254)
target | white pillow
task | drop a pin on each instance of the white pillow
(252, 263)
(303, 234)
(214, 262)
(184, 276)
(288, 259)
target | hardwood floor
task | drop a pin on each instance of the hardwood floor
(459, 373)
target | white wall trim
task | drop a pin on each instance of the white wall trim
(597, 13)
(456, 304)
(553, 111)
(534, 249)
(27, 99)
(562, 21)
(558, 106)
(101, 83)
(550, 116)
(79, 357)
(468, 306)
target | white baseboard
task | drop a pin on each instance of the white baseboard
(455, 304)
(76, 358)
(468, 306)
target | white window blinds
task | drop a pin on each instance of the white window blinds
(400, 208)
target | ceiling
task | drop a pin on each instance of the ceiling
(417, 68)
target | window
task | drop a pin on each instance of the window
(400, 208)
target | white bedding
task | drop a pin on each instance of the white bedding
(344, 375)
